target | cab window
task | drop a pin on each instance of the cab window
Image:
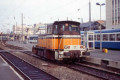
(61, 27)
(67, 28)
(70, 28)
(56, 29)
(75, 28)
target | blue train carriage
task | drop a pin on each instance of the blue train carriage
(110, 38)
(33, 39)
(3, 38)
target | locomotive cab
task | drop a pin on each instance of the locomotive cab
(66, 28)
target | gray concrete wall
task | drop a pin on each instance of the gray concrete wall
(109, 24)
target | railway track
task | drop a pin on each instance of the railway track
(100, 73)
(91, 70)
(26, 70)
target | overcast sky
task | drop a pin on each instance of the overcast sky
(46, 11)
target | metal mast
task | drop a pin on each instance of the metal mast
(90, 13)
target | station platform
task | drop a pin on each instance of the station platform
(111, 59)
(111, 55)
(6, 72)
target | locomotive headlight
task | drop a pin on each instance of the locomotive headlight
(82, 46)
(66, 47)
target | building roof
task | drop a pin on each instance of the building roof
(93, 23)
(86, 24)
(101, 21)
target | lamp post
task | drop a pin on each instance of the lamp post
(78, 13)
(22, 26)
(90, 14)
(100, 25)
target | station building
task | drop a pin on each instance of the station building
(17, 32)
(95, 25)
(112, 14)
(24, 33)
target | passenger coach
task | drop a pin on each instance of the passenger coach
(110, 38)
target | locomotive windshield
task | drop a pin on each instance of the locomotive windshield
(66, 29)
(74, 28)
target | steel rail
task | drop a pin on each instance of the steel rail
(100, 73)
(26, 70)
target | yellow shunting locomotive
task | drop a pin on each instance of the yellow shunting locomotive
(62, 41)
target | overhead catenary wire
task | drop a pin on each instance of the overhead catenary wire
(56, 9)
(8, 17)
(12, 11)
